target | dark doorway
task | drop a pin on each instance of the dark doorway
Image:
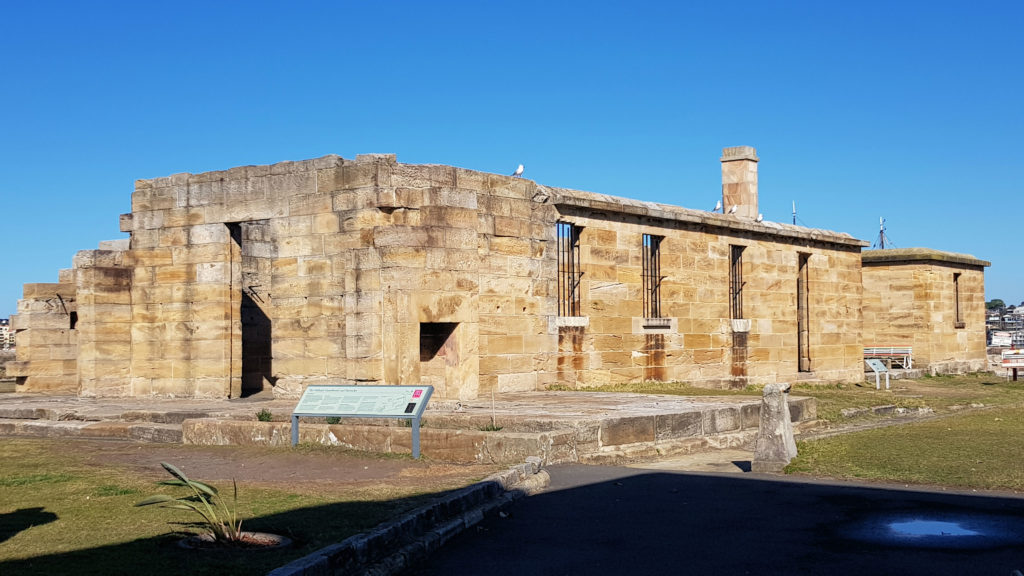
(256, 347)
(438, 353)
(250, 279)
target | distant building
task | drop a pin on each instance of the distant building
(6, 334)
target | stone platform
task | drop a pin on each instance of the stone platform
(589, 427)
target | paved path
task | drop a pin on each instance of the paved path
(632, 521)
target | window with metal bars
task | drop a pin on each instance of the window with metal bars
(569, 272)
(652, 275)
(736, 282)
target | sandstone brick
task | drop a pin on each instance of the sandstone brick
(627, 431)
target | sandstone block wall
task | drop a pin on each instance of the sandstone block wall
(46, 339)
(910, 300)
(700, 342)
(332, 271)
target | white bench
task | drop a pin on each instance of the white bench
(901, 355)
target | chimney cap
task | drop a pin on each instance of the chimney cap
(739, 153)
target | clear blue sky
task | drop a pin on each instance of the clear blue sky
(908, 110)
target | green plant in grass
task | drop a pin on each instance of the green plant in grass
(264, 415)
(333, 420)
(219, 517)
(491, 428)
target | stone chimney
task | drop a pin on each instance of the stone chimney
(739, 181)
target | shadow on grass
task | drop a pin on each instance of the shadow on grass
(22, 519)
(310, 528)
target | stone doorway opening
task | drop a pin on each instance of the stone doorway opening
(252, 355)
(439, 354)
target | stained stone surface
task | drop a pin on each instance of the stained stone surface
(775, 446)
(268, 279)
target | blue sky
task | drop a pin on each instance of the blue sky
(858, 110)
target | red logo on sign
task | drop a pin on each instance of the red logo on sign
(417, 393)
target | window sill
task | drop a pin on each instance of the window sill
(657, 323)
(561, 321)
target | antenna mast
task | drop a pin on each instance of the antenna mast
(794, 212)
(882, 238)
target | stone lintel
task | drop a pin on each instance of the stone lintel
(908, 255)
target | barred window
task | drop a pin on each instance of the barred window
(736, 282)
(569, 272)
(652, 275)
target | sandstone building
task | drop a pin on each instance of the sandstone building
(929, 300)
(335, 271)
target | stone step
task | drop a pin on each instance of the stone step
(97, 430)
(557, 426)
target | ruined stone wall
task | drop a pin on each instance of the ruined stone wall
(330, 271)
(229, 259)
(909, 300)
(517, 284)
(103, 298)
(700, 343)
(46, 339)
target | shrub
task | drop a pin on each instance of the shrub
(220, 518)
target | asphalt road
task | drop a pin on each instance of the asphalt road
(604, 520)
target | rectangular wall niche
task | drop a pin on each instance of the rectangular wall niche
(438, 353)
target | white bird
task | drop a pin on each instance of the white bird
(718, 206)
(733, 209)
(759, 218)
(518, 172)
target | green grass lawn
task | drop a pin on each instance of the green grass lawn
(59, 515)
(980, 449)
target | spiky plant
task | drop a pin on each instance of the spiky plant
(218, 516)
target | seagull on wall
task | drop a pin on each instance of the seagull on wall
(718, 206)
(518, 172)
(733, 209)
(760, 217)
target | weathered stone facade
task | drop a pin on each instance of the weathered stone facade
(933, 301)
(334, 271)
(703, 343)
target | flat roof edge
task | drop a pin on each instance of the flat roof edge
(600, 202)
(890, 255)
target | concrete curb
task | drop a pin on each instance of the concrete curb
(396, 545)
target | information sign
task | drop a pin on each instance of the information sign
(878, 367)
(406, 402)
